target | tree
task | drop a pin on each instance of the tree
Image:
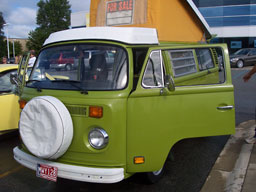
(36, 39)
(2, 47)
(17, 47)
(52, 16)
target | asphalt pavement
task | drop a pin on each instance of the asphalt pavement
(235, 168)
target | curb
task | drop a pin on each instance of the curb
(230, 168)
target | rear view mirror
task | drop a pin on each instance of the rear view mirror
(14, 79)
(169, 83)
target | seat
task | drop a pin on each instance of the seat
(98, 67)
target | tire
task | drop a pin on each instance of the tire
(155, 176)
(68, 67)
(240, 64)
(46, 127)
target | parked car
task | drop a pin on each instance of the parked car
(63, 61)
(243, 57)
(9, 109)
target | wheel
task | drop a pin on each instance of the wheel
(240, 64)
(52, 138)
(68, 67)
(155, 176)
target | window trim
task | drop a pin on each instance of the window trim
(162, 71)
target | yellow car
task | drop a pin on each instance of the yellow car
(9, 106)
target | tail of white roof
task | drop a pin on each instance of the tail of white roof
(129, 35)
(200, 16)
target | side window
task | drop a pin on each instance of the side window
(153, 75)
(204, 59)
(5, 84)
(183, 62)
(253, 52)
(197, 66)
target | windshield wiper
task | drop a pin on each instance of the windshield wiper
(73, 83)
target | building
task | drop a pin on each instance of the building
(22, 41)
(80, 19)
(234, 22)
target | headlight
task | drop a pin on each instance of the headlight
(234, 59)
(98, 138)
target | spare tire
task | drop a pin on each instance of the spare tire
(46, 127)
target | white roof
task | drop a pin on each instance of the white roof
(129, 35)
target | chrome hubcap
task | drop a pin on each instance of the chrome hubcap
(240, 64)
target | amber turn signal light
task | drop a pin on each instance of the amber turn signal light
(95, 111)
(22, 103)
(139, 160)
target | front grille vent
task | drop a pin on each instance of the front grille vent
(78, 110)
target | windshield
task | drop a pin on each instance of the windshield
(242, 52)
(80, 67)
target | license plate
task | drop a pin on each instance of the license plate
(47, 172)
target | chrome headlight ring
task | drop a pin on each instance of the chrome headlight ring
(98, 138)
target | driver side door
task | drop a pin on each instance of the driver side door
(201, 104)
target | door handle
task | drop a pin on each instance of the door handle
(228, 107)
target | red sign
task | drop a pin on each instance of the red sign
(47, 172)
(125, 5)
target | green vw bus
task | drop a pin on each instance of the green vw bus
(124, 106)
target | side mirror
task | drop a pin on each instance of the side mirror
(169, 83)
(14, 79)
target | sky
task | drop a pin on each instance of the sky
(21, 15)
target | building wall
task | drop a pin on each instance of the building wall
(213, 3)
(23, 43)
(233, 21)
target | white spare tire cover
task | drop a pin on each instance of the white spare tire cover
(46, 127)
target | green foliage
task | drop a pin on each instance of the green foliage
(17, 48)
(2, 22)
(52, 16)
(3, 43)
(36, 39)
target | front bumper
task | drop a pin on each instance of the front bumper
(73, 172)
